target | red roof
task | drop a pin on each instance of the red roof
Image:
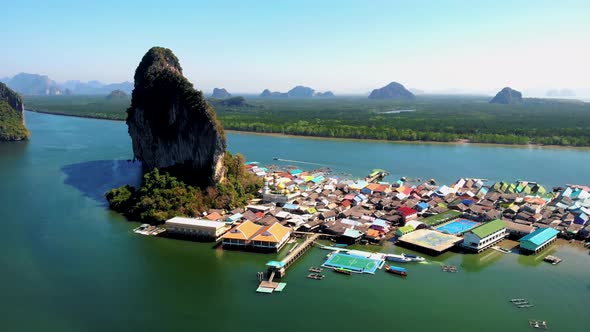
(345, 203)
(406, 211)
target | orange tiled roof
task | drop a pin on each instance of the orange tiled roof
(213, 216)
(243, 231)
(272, 233)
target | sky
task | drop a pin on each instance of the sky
(345, 46)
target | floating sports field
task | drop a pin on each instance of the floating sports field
(432, 242)
(353, 263)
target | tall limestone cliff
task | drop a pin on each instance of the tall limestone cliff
(170, 123)
(12, 116)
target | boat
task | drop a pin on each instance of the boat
(525, 305)
(538, 324)
(517, 300)
(396, 270)
(552, 259)
(397, 258)
(414, 258)
(343, 271)
(340, 245)
(315, 269)
(315, 276)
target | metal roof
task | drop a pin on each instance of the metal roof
(540, 236)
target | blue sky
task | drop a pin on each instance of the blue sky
(345, 46)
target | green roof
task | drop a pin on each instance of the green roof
(441, 217)
(488, 228)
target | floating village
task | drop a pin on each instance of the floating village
(299, 209)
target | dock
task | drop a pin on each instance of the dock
(278, 269)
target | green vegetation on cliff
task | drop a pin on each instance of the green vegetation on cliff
(11, 124)
(163, 196)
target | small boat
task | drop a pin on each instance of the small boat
(315, 269)
(396, 270)
(341, 245)
(343, 271)
(315, 276)
(525, 305)
(414, 258)
(517, 300)
(397, 258)
(538, 324)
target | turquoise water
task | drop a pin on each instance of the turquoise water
(69, 264)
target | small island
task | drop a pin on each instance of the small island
(181, 145)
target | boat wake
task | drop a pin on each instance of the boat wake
(299, 162)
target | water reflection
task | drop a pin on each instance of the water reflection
(95, 178)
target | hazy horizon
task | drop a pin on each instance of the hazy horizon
(343, 46)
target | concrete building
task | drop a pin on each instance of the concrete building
(198, 228)
(538, 240)
(484, 236)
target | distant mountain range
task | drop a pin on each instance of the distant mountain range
(34, 84)
(299, 91)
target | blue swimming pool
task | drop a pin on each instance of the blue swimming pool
(458, 226)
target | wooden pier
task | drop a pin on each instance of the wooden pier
(294, 255)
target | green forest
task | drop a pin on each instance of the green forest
(427, 118)
(162, 195)
(11, 124)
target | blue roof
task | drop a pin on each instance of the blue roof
(275, 263)
(352, 233)
(290, 206)
(540, 236)
(423, 205)
(467, 201)
(380, 222)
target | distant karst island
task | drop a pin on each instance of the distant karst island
(298, 91)
(220, 93)
(392, 90)
(507, 96)
(117, 94)
(181, 145)
(12, 116)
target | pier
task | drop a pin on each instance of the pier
(278, 269)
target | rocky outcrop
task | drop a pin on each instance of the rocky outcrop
(392, 90)
(13, 99)
(220, 93)
(301, 91)
(170, 123)
(275, 94)
(33, 84)
(12, 116)
(507, 96)
(117, 94)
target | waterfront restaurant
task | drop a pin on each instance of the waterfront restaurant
(198, 228)
(250, 236)
(484, 236)
(538, 240)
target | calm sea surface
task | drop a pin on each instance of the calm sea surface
(69, 264)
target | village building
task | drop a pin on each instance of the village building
(250, 236)
(484, 236)
(538, 240)
(198, 228)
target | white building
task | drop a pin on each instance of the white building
(200, 228)
(484, 236)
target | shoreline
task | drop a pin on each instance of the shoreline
(458, 142)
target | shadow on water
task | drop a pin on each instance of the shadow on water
(95, 178)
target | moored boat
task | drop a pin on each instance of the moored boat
(414, 258)
(343, 271)
(397, 258)
(396, 270)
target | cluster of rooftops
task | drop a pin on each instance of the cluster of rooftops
(360, 210)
